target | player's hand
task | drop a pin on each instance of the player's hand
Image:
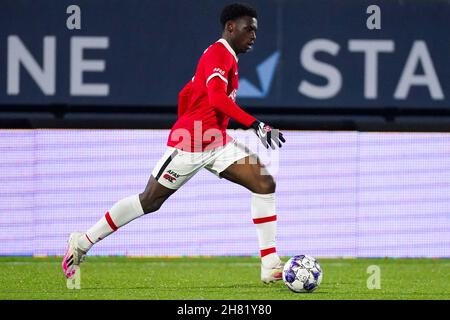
(268, 135)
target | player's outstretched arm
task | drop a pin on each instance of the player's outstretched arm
(219, 100)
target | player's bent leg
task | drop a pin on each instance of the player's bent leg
(253, 175)
(154, 195)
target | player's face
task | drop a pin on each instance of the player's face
(244, 34)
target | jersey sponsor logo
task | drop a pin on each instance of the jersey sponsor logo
(219, 71)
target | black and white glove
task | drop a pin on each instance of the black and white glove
(268, 135)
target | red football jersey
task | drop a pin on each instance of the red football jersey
(200, 126)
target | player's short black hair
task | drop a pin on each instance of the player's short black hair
(235, 11)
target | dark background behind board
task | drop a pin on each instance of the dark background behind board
(154, 47)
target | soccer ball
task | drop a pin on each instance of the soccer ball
(302, 273)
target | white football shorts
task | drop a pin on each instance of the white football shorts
(176, 167)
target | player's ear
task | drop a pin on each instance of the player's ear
(229, 26)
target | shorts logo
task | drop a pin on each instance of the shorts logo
(173, 173)
(169, 178)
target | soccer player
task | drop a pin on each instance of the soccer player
(199, 140)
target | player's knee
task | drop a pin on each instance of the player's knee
(149, 204)
(266, 185)
(150, 207)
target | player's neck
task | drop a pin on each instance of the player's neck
(227, 38)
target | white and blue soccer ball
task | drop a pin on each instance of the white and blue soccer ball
(302, 273)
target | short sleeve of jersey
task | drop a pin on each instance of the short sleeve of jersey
(218, 62)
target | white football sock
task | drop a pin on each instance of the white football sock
(265, 220)
(121, 213)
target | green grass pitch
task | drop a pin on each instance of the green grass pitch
(220, 278)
